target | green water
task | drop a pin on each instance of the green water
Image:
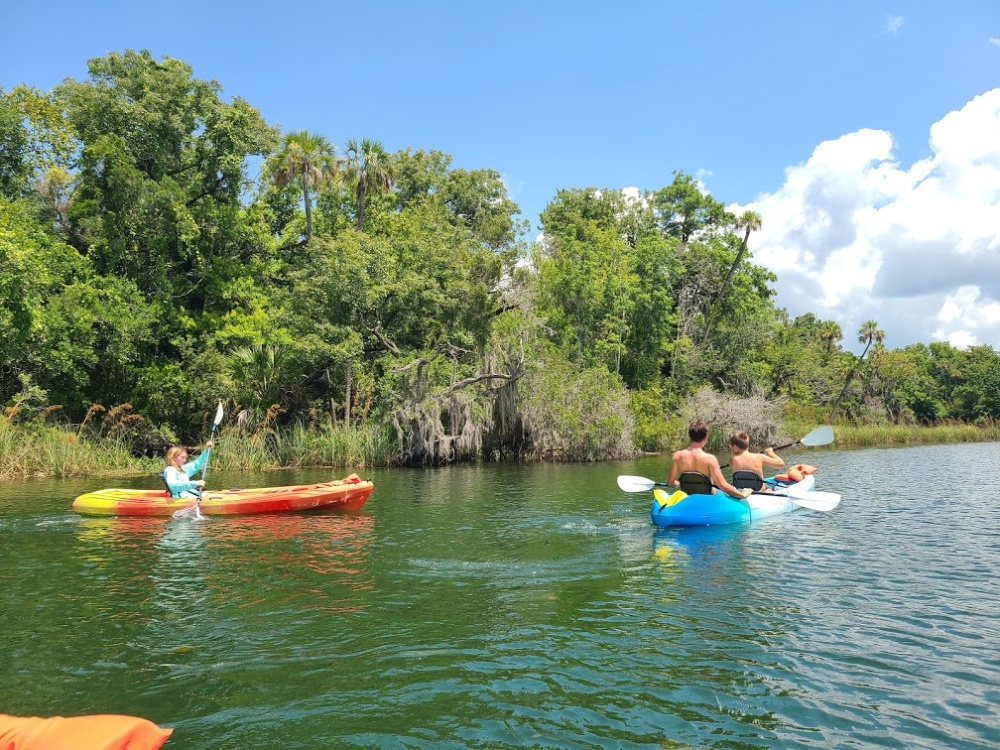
(525, 606)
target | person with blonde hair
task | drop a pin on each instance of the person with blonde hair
(179, 470)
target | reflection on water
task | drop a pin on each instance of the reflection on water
(526, 606)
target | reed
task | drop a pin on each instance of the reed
(864, 436)
(47, 451)
(34, 450)
(300, 446)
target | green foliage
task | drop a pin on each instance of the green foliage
(603, 279)
(368, 169)
(684, 210)
(381, 308)
(576, 415)
(652, 433)
(307, 162)
(162, 161)
(14, 165)
(35, 443)
(75, 333)
(478, 201)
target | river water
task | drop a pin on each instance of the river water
(521, 606)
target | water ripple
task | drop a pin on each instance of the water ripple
(524, 607)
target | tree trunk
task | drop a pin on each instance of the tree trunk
(361, 207)
(850, 377)
(333, 404)
(347, 397)
(725, 285)
(308, 204)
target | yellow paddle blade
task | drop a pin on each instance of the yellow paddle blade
(665, 500)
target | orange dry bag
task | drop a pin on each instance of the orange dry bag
(94, 732)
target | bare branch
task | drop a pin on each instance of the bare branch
(478, 378)
(374, 331)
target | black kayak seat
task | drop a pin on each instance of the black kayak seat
(170, 490)
(745, 478)
(163, 479)
(695, 483)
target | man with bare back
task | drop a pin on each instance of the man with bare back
(696, 458)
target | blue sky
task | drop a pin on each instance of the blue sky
(819, 115)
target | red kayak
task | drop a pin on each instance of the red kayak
(349, 493)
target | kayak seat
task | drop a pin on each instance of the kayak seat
(695, 483)
(164, 480)
(744, 478)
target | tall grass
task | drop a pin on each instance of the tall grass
(37, 445)
(864, 436)
(32, 451)
(37, 450)
(304, 446)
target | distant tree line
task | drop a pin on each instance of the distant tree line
(163, 247)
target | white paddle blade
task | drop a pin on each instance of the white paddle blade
(819, 436)
(218, 415)
(822, 501)
(189, 512)
(635, 484)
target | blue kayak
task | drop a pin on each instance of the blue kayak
(713, 510)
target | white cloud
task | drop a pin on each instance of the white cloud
(853, 235)
(995, 41)
(894, 24)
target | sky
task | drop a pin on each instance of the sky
(865, 132)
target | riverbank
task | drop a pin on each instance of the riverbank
(871, 436)
(32, 453)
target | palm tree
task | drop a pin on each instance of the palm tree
(868, 334)
(309, 159)
(749, 221)
(367, 168)
(829, 333)
(259, 373)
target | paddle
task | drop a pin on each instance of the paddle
(822, 501)
(820, 436)
(637, 484)
(641, 484)
(204, 470)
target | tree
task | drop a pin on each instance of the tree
(308, 160)
(418, 175)
(76, 335)
(868, 334)
(749, 221)
(684, 210)
(367, 167)
(978, 395)
(829, 333)
(162, 166)
(478, 201)
(14, 166)
(606, 299)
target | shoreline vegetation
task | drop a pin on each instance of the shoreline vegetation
(164, 248)
(61, 453)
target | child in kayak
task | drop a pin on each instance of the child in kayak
(742, 459)
(177, 473)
